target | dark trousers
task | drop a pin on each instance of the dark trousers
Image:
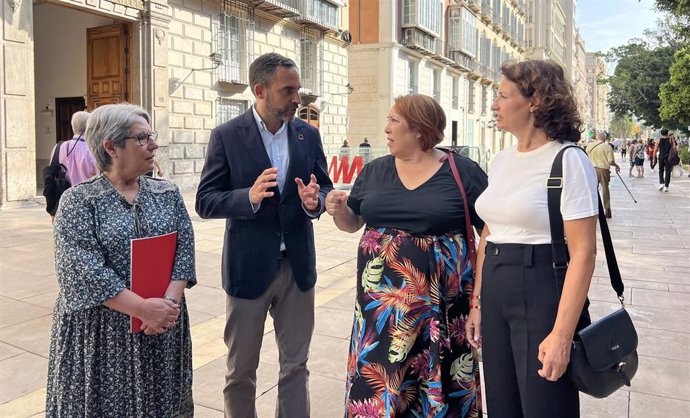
(520, 296)
(664, 172)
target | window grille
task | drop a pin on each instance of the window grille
(233, 39)
(311, 61)
(227, 109)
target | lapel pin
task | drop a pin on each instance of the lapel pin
(300, 137)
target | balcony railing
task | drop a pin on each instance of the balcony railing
(281, 8)
(464, 62)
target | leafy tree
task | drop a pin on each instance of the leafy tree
(636, 80)
(675, 93)
(621, 126)
(680, 9)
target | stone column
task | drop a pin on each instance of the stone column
(18, 135)
(155, 96)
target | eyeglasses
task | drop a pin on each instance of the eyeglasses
(145, 137)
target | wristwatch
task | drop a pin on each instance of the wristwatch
(171, 299)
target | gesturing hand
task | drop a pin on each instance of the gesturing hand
(265, 181)
(309, 193)
(335, 202)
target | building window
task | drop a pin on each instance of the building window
(469, 33)
(423, 13)
(233, 39)
(485, 99)
(412, 75)
(470, 97)
(311, 62)
(454, 30)
(456, 84)
(323, 12)
(227, 109)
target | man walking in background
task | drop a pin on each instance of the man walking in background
(255, 173)
(602, 158)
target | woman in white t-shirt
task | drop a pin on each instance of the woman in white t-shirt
(527, 317)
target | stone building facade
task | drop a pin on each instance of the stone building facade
(184, 61)
(448, 49)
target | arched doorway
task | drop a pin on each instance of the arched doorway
(309, 114)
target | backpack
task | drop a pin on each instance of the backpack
(54, 181)
(640, 152)
(673, 158)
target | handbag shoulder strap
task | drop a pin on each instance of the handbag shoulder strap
(560, 251)
(468, 223)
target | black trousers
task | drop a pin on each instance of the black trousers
(520, 296)
(664, 172)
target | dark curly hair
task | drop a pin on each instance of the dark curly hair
(556, 110)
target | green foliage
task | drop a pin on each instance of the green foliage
(684, 154)
(637, 79)
(675, 93)
(621, 126)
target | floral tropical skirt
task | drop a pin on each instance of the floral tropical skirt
(408, 355)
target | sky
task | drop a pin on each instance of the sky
(605, 24)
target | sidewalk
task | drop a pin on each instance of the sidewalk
(652, 241)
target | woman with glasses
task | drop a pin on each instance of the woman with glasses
(96, 366)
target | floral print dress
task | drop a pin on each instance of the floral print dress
(97, 368)
(408, 355)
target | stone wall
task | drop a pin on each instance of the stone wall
(194, 95)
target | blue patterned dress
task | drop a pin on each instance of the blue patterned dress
(97, 368)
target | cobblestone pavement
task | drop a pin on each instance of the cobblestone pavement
(651, 237)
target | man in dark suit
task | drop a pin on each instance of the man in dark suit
(266, 173)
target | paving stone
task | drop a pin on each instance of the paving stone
(615, 406)
(15, 312)
(37, 341)
(333, 322)
(649, 406)
(662, 377)
(20, 375)
(658, 298)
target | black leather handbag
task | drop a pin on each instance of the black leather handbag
(603, 357)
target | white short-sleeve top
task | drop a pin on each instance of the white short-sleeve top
(514, 206)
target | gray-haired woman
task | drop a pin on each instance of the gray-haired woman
(96, 366)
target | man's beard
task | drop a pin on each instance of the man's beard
(285, 115)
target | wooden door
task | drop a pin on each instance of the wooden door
(65, 107)
(310, 115)
(107, 62)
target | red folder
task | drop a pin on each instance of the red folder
(151, 268)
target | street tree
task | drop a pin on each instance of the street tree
(635, 83)
(675, 93)
(621, 126)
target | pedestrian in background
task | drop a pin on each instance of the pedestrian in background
(96, 367)
(254, 177)
(365, 150)
(528, 316)
(662, 149)
(602, 159)
(75, 156)
(650, 154)
(639, 153)
(414, 278)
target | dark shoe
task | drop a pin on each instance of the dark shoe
(608, 213)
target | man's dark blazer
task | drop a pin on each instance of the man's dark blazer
(235, 157)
